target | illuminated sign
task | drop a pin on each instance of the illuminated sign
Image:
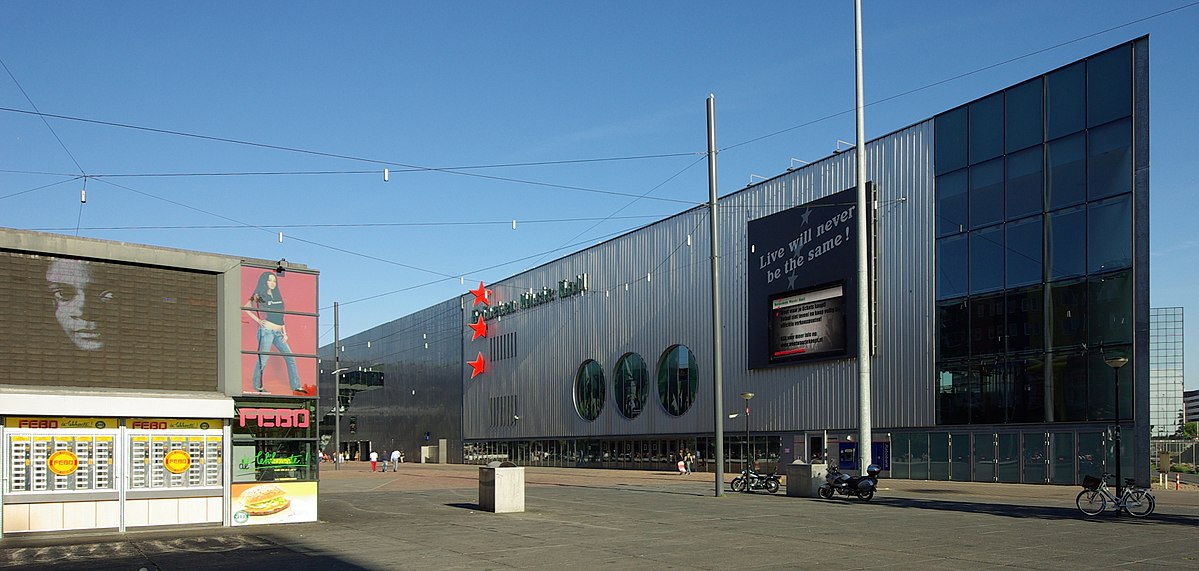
(807, 323)
(274, 417)
(177, 461)
(172, 424)
(533, 298)
(53, 423)
(63, 463)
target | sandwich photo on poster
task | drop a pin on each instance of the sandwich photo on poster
(271, 502)
(278, 332)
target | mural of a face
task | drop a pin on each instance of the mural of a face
(76, 301)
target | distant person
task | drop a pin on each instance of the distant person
(688, 460)
(395, 460)
(267, 301)
(374, 460)
(79, 302)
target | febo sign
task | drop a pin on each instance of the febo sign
(274, 417)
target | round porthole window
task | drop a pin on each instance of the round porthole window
(678, 379)
(589, 390)
(630, 385)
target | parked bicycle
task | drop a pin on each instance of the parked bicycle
(1096, 497)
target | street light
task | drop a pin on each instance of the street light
(1115, 363)
(337, 417)
(747, 396)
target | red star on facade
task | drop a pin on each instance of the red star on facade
(480, 328)
(476, 365)
(482, 295)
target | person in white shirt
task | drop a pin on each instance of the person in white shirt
(395, 459)
(374, 460)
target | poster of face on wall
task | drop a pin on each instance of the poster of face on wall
(93, 323)
(802, 282)
(278, 332)
(270, 502)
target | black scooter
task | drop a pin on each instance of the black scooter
(860, 487)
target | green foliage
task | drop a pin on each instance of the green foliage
(1189, 429)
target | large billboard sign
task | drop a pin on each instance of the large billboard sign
(802, 282)
(278, 331)
(91, 323)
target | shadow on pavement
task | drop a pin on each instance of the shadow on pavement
(1032, 512)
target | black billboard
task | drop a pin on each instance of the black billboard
(91, 323)
(802, 282)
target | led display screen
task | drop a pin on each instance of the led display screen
(807, 323)
(89, 323)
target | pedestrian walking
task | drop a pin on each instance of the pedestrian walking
(374, 460)
(688, 460)
(395, 459)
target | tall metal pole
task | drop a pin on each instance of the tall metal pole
(717, 359)
(336, 391)
(865, 454)
(1115, 363)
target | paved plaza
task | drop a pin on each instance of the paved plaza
(427, 517)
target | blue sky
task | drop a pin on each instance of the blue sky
(363, 86)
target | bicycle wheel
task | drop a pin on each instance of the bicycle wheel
(1139, 503)
(1090, 502)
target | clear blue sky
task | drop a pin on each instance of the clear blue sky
(468, 84)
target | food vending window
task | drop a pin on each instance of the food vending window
(174, 453)
(53, 455)
(273, 460)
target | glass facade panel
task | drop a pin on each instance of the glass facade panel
(1027, 402)
(952, 203)
(938, 456)
(1166, 377)
(1026, 319)
(678, 378)
(994, 393)
(959, 465)
(986, 128)
(953, 393)
(1024, 187)
(986, 193)
(901, 456)
(1035, 460)
(1024, 265)
(1065, 101)
(1109, 86)
(918, 450)
(984, 458)
(1022, 116)
(953, 277)
(950, 133)
(986, 259)
(1007, 458)
(1066, 180)
(1109, 305)
(953, 323)
(1109, 234)
(1069, 381)
(1062, 454)
(589, 390)
(986, 325)
(1066, 243)
(1109, 160)
(1067, 314)
(1091, 456)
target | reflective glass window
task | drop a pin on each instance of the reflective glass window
(1067, 313)
(1066, 161)
(1069, 382)
(984, 458)
(986, 193)
(1065, 101)
(938, 456)
(1109, 86)
(918, 449)
(1023, 117)
(678, 378)
(959, 448)
(986, 259)
(1109, 306)
(1027, 402)
(1024, 251)
(1109, 159)
(953, 329)
(1062, 457)
(589, 390)
(986, 324)
(1109, 234)
(629, 384)
(1025, 319)
(1007, 458)
(1024, 184)
(950, 132)
(953, 266)
(952, 202)
(1091, 455)
(1066, 243)
(986, 128)
(995, 393)
(953, 392)
(1036, 465)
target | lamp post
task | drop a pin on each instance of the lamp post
(747, 396)
(1115, 363)
(337, 417)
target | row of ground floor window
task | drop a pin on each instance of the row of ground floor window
(1056, 457)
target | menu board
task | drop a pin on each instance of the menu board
(44, 462)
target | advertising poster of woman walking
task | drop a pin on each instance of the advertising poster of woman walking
(278, 331)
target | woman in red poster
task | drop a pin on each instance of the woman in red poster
(267, 300)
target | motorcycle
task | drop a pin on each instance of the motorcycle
(768, 482)
(861, 487)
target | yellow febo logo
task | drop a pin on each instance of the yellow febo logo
(63, 463)
(177, 461)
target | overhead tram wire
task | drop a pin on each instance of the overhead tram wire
(965, 74)
(352, 224)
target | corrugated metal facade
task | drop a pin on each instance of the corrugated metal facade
(650, 290)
